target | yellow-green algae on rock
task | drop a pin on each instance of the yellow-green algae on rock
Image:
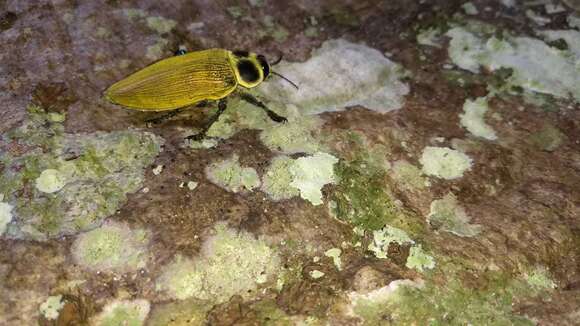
(294, 136)
(277, 179)
(230, 175)
(231, 262)
(189, 312)
(445, 163)
(418, 259)
(123, 313)
(472, 118)
(111, 247)
(406, 302)
(50, 181)
(447, 215)
(409, 175)
(362, 197)
(5, 215)
(50, 308)
(311, 173)
(283, 179)
(90, 175)
(384, 237)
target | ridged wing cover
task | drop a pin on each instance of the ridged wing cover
(176, 82)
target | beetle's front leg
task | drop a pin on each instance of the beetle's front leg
(271, 114)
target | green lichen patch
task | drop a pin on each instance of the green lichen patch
(50, 309)
(230, 263)
(549, 138)
(405, 302)
(536, 66)
(447, 215)
(297, 135)
(283, 179)
(271, 28)
(230, 175)
(111, 247)
(238, 116)
(418, 259)
(539, 278)
(311, 173)
(409, 175)
(473, 118)
(277, 178)
(362, 197)
(327, 81)
(50, 180)
(133, 13)
(123, 313)
(205, 143)
(160, 24)
(334, 254)
(156, 50)
(61, 184)
(430, 37)
(179, 313)
(5, 215)
(182, 279)
(384, 237)
(269, 314)
(445, 163)
(235, 11)
(370, 307)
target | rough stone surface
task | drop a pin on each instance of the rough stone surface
(380, 82)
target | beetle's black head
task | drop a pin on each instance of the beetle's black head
(251, 69)
(265, 66)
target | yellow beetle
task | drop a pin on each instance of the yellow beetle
(190, 78)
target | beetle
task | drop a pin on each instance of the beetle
(195, 77)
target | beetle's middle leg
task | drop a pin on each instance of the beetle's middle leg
(222, 106)
(170, 114)
(164, 117)
(271, 114)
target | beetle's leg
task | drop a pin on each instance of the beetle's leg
(173, 113)
(222, 105)
(271, 114)
(166, 116)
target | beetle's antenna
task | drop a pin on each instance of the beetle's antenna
(277, 61)
(286, 79)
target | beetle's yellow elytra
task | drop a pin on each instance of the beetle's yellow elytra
(186, 79)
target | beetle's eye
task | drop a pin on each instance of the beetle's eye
(264, 64)
(248, 71)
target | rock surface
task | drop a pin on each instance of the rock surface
(484, 229)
